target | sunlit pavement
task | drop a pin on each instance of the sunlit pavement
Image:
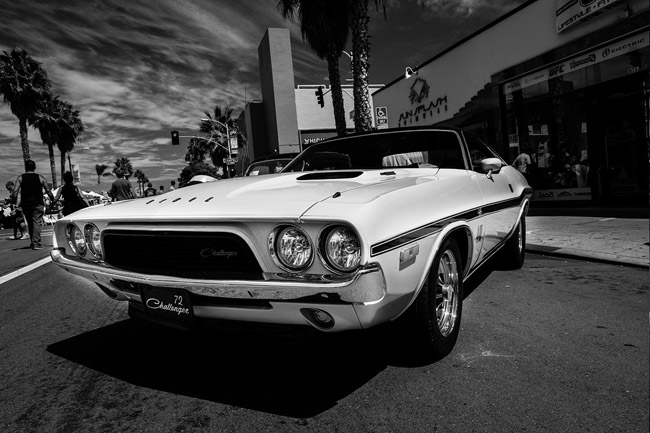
(616, 240)
(16, 254)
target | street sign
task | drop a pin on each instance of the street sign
(232, 142)
(230, 161)
(381, 117)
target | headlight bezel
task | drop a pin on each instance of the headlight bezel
(74, 235)
(93, 245)
(279, 258)
(323, 250)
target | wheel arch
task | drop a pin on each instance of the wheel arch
(462, 235)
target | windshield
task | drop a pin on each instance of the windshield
(267, 167)
(413, 149)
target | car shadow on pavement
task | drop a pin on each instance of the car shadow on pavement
(296, 377)
(269, 374)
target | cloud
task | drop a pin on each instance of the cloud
(468, 7)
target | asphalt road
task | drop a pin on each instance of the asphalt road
(559, 346)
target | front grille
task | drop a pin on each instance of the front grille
(181, 254)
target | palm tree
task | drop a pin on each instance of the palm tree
(24, 84)
(213, 127)
(141, 179)
(198, 150)
(324, 24)
(100, 169)
(72, 127)
(124, 165)
(360, 53)
(48, 120)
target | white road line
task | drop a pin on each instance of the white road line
(10, 276)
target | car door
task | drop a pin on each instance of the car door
(500, 208)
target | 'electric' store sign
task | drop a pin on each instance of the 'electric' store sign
(570, 12)
(584, 60)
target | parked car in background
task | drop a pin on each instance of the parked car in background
(200, 178)
(355, 232)
(269, 164)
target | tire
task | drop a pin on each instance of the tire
(437, 311)
(514, 251)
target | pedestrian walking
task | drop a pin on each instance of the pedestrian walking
(72, 198)
(15, 215)
(121, 188)
(173, 186)
(150, 191)
(29, 188)
(162, 189)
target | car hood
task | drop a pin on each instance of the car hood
(281, 196)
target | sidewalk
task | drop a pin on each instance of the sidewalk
(607, 239)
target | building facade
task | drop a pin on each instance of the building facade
(288, 118)
(561, 85)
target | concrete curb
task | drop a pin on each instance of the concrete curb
(600, 257)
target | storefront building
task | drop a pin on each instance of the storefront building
(560, 87)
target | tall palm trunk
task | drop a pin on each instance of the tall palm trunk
(22, 122)
(62, 163)
(50, 150)
(337, 92)
(360, 65)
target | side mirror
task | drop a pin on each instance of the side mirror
(491, 165)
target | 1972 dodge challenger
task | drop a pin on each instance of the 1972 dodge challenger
(355, 232)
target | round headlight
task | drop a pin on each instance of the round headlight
(292, 249)
(76, 240)
(93, 239)
(341, 249)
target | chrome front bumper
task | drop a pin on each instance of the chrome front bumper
(341, 296)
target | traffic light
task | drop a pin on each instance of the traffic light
(319, 96)
(175, 140)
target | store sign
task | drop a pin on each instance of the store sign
(562, 194)
(419, 93)
(584, 60)
(571, 12)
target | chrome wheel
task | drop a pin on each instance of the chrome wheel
(433, 321)
(447, 293)
(520, 238)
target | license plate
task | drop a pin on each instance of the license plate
(173, 305)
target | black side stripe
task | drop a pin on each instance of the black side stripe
(436, 226)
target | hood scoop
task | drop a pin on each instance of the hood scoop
(326, 175)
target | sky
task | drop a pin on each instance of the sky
(136, 69)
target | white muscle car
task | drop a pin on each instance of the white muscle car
(355, 232)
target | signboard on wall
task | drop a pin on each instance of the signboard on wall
(307, 138)
(568, 194)
(568, 13)
(584, 60)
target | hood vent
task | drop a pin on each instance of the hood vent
(326, 175)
